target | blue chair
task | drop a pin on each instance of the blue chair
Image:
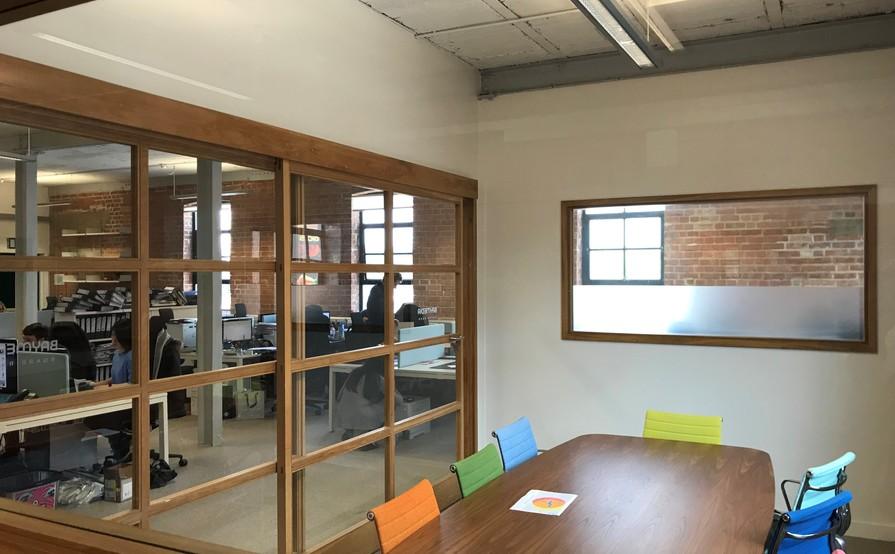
(820, 483)
(811, 530)
(516, 442)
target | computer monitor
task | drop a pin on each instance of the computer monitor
(43, 373)
(267, 318)
(424, 354)
(237, 329)
(410, 313)
(8, 373)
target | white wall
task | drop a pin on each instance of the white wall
(329, 68)
(817, 122)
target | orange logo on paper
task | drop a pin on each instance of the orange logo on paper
(548, 503)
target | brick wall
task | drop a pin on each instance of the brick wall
(806, 242)
(434, 234)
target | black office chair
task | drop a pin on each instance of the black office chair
(317, 325)
(164, 361)
(239, 310)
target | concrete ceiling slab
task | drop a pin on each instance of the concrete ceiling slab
(806, 12)
(704, 19)
(573, 34)
(429, 15)
(492, 47)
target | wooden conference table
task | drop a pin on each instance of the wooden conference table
(634, 495)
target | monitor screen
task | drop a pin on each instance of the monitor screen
(8, 366)
(237, 329)
(267, 318)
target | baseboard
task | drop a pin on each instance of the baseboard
(876, 531)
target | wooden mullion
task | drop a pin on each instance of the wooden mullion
(468, 348)
(203, 378)
(297, 382)
(285, 412)
(140, 327)
(58, 264)
(389, 373)
(459, 321)
(203, 490)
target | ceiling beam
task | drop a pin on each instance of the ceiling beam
(820, 39)
(17, 10)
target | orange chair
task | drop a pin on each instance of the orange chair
(403, 515)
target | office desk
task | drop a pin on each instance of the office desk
(234, 359)
(81, 412)
(424, 370)
(634, 496)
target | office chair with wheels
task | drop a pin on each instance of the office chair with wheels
(239, 310)
(516, 442)
(820, 483)
(477, 470)
(403, 515)
(317, 325)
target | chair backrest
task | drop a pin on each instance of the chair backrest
(681, 427)
(403, 515)
(476, 471)
(447, 492)
(819, 523)
(828, 477)
(239, 310)
(517, 443)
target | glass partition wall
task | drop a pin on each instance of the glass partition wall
(188, 337)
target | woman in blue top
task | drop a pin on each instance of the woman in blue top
(122, 360)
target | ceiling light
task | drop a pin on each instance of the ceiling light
(138, 65)
(607, 17)
(15, 157)
(196, 196)
(48, 204)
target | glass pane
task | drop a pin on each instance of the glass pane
(374, 240)
(425, 452)
(339, 492)
(643, 232)
(244, 333)
(343, 401)
(432, 237)
(427, 379)
(333, 215)
(643, 265)
(81, 190)
(402, 215)
(243, 517)
(427, 305)
(607, 233)
(220, 429)
(335, 319)
(61, 464)
(607, 265)
(375, 259)
(245, 212)
(782, 268)
(373, 216)
(403, 240)
(404, 259)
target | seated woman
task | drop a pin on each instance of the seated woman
(360, 404)
(72, 338)
(122, 359)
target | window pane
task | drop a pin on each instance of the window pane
(424, 451)
(402, 215)
(403, 259)
(403, 240)
(374, 240)
(375, 259)
(645, 265)
(427, 377)
(604, 210)
(432, 240)
(337, 318)
(607, 233)
(402, 201)
(374, 216)
(607, 265)
(333, 211)
(82, 193)
(244, 218)
(343, 401)
(243, 517)
(643, 232)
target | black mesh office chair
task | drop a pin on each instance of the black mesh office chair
(317, 344)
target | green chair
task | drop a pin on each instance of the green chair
(680, 427)
(476, 471)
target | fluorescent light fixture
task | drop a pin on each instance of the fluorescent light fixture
(616, 31)
(49, 204)
(196, 196)
(138, 65)
(12, 156)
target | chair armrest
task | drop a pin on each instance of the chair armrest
(541, 451)
(783, 490)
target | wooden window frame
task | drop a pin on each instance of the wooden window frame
(39, 96)
(868, 345)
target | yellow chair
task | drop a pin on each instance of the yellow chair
(680, 427)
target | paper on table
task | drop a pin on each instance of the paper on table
(544, 502)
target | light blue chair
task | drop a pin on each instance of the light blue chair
(811, 530)
(820, 483)
(516, 442)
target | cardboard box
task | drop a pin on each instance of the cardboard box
(119, 483)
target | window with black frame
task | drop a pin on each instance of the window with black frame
(622, 245)
(226, 218)
(371, 242)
